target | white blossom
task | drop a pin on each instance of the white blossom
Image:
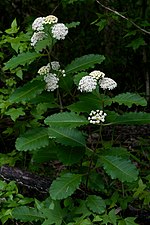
(97, 74)
(37, 36)
(55, 65)
(44, 70)
(87, 84)
(107, 83)
(97, 116)
(51, 80)
(50, 19)
(59, 31)
(37, 25)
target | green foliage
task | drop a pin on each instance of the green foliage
(65, 186)
(83, 63)
(95, 204)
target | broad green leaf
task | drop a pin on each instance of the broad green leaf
(28, 91)
(83, 63)
(128, 118)
(96, 204)
(14, 29)
(21, 59)
(54, 215)
(129, 99)
(25, 214)
(130, 221)
(119, 168)
(65, 186)
(67, 136)
(66, 119)
(136, 43)
(68, 155)
(14, 113)
(32, 139)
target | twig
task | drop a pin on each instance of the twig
(117, 13)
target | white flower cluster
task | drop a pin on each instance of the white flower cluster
(88, 83)
(58, 30)
(107, 83)
(96, 117)
(37, 36)
(51, 80)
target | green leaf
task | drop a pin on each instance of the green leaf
(128, 118)
(32, 139)
(21, 59)
(130, 221)
(25, 214)
(15, 113)
(72, 25)
(129, 99)
(14, 29)
(96, 204)
(65, 186)
(28, 91)
(136, 43)
(67, 136)
(66, 119)
(69, 156)
(83, 63)
(119, 168)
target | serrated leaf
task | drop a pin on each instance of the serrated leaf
(68, 155)
(27, 92)
(129, 99)
(66, 119)
(21, 59)
(14, 113)
(65, 186)
(96, 204)
(67, 136)
(83, 63)
(25, 214)
(32, 140)
(128, 118)
(119, 168)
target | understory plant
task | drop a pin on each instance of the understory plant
(63, 110)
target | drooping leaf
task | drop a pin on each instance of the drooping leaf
(129, 99)
(25, 214)
(21, 59)
(32, 139)
(68, 155)
(66, 119)
(67, 136)
(119, 168)
(96, 204)
(83, 63)
(28, 91)
(128, 118)
(14, 113)
(65, 186)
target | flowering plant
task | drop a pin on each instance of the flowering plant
(66, 106)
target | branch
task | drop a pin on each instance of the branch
(117, 13)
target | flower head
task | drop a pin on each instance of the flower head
(107, 83)
(97, 74)
(51, 80)
(44, 70)
(50, 19)
(96, 117)
(37, 36)
(55, 65)
(37, 25)
(59, 31)
(87, 84)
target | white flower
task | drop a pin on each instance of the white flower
(37, 25)
(50, 19)
(55, 65)
(87, 84)
(59, 31)
(97, 74)
(44, 70)
(37, 36)
(107, 83)
(51, 81)
(96, 117)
